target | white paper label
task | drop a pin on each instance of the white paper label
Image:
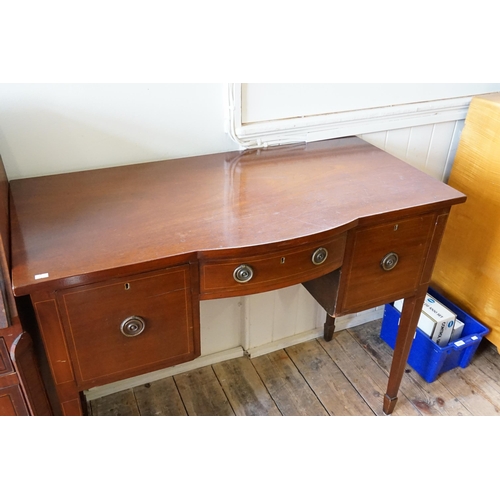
(41, 276)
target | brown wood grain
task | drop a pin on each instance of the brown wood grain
(79, 238)
(21, 388)
(27, 367)
(84, 226)
(93, 315)
(12, 402)
(272, 270)
(8, 309)
(367, 284)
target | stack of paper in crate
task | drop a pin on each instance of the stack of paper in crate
(437, 321)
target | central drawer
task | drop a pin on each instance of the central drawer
(264, 271)
(131, 325)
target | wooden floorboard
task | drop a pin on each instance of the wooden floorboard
(202, 393)
(325, 378)
(472, 391)
(487, 360)
(287, 386)
(344, 377)
(159, 398)
(430, 399)
(244, 388)
(122, 404)
(365, 374)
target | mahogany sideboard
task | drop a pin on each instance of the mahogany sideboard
(116, 260)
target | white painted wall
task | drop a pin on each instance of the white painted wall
(277, 101)
(55, 128)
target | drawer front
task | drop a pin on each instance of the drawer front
(364, 281)
(5, 363)
(271, 270)
(12, 402)
(103, 324)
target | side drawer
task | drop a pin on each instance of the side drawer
(364, 282)
(129, 326)
(271, 270)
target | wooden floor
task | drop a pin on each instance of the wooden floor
(347, 376)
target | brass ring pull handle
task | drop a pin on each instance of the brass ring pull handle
(390, 261)
(243, 273)
(319, 256)
(133, 326)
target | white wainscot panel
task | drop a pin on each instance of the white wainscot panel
(281, 318)
(265, 321)
(430, 148)
(221, 323)
(259, 319)
(283, 313)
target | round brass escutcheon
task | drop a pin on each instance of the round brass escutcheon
(390, 261)
(243, 273)
(319, 256)
(133, 326)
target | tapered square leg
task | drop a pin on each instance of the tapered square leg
(329, 328)
(389, 404)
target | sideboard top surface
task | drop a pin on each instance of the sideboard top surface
(72, 225)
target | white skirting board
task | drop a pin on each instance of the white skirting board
(237, 352)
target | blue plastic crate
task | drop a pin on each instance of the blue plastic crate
(426, 357)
